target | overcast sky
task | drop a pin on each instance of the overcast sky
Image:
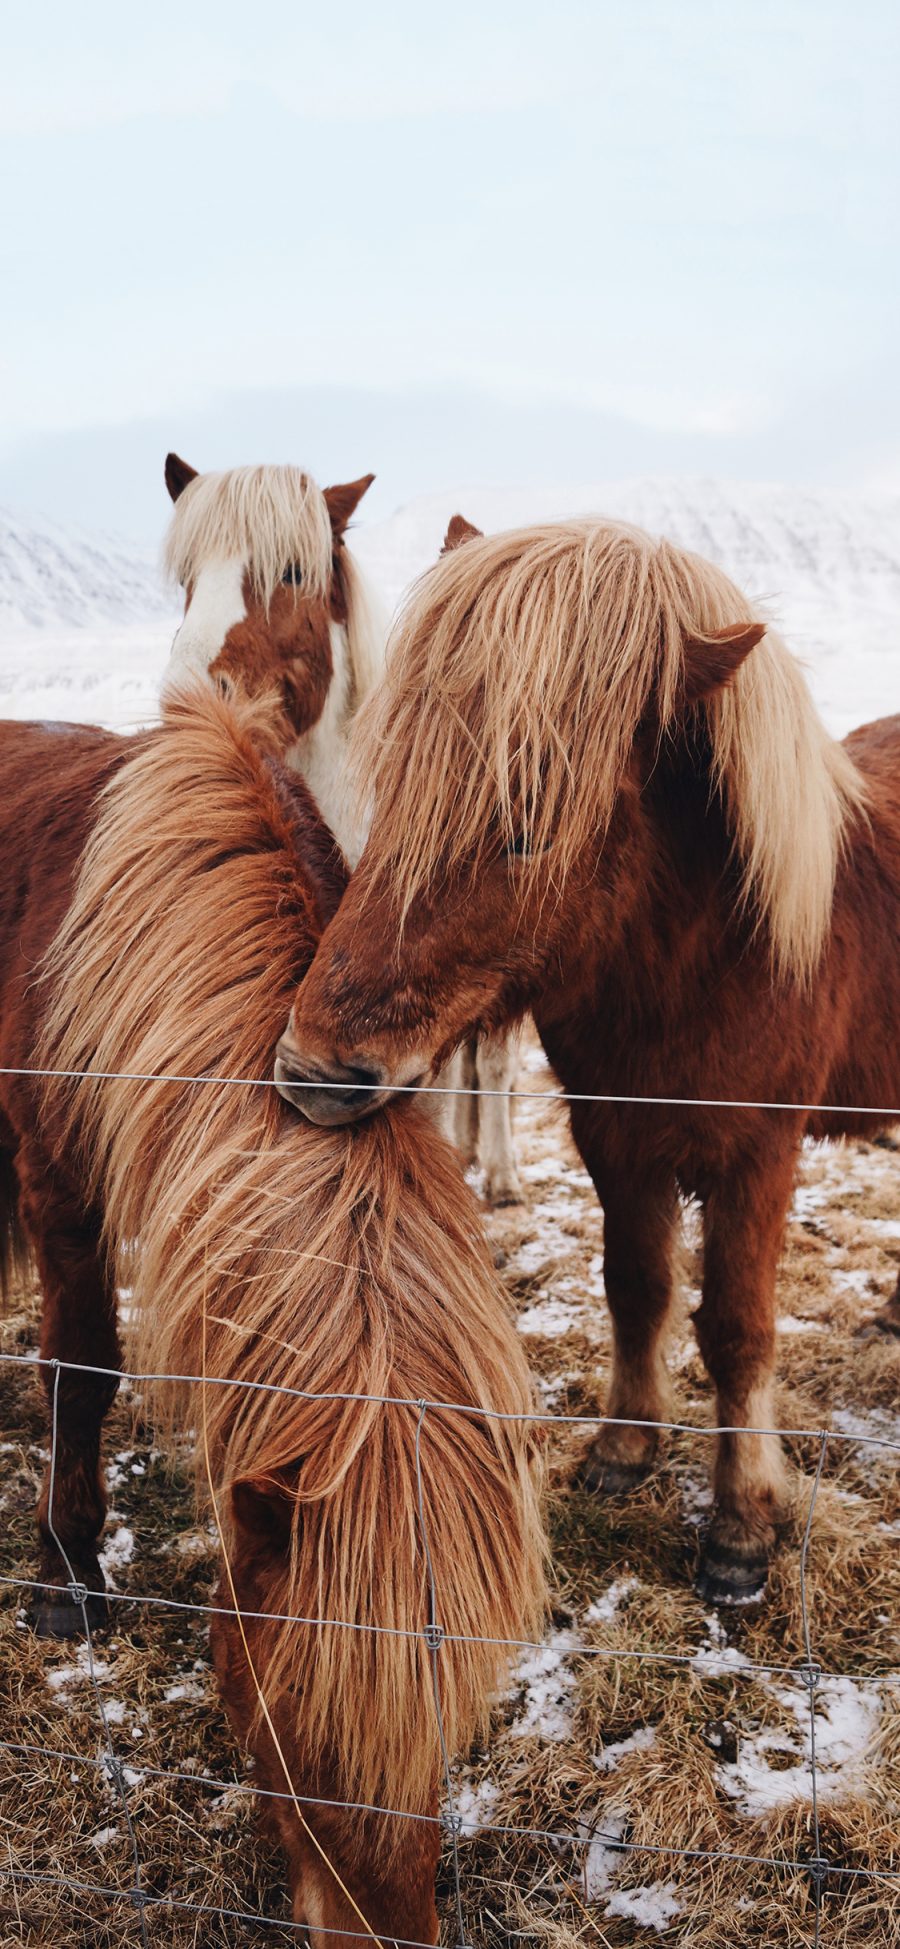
(508, 233)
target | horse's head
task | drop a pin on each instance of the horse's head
(268, 586)
(535, 682)
(361, 1879)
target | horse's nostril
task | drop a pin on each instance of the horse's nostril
(358, 1076)
(290, 1068)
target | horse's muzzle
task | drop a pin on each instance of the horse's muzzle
(327, 1094)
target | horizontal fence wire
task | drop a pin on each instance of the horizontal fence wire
(817, 1870)
(705, 1661)
(538, 1416)
(466, 1830)
(889, 1113)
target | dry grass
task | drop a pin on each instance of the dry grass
(709, 1715)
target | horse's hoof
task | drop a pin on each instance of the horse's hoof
(501, 1196)
(887, 1321)
(729, 1576)
(54, 1614)
(602, 1475)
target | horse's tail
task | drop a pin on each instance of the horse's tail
(15, 1254)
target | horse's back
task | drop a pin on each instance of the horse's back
(865, 957)
(875, 750)
(50, 776)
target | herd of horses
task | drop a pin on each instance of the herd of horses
(586, 785)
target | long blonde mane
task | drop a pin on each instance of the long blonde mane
(274, 518)
(336, 1262)
(517, 675)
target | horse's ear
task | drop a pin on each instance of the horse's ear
(178, 474)
(263, 1509)
(459, 531)
(710, 663)
(342, 502)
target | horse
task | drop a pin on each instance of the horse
(274, 597)
(621, 811)
(328, 1291)
(271, 586)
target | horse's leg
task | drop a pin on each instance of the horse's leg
(744, 1218)
(459, 1113)
(640, 1222)
(887, 1319)
(78, 1326)
(497, 1062)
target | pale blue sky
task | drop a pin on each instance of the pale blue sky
(680, 216)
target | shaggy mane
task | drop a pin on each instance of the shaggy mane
(517, 674)
(346, 1261)
(275, 518)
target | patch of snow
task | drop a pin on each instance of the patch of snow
(808, 1200)
(876, 1426)
(190, 1689)
(857, 1280)
(551, 1318)
(551, 1391)
(717, 1655)
(847, 1718)
(637, 1742)
(793, 1324)
(77, 1673)
(103, 1837)
(549, 1683)
(696, 1498)
(605, 1607)
(603, 1857)
(473, 1803)
(654, 1907)
(117, 1551)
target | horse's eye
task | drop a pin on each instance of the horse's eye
(519, 848)
(293, 576)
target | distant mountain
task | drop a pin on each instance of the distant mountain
(86, 623)
(51, 575)
(774, 541)
(825, 568)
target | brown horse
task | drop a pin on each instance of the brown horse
(621, 811)
(155, 888)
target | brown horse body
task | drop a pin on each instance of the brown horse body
(648, 956)
(173, 877)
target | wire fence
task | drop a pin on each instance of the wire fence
(817, 1870)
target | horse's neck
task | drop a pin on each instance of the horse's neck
(320, 755)
(683, 923)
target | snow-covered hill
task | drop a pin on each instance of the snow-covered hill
(827, 570)
(85, 623)
(51, 576)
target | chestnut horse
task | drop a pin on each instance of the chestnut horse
(328, 1282)
(621, 811)
(271, 588)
